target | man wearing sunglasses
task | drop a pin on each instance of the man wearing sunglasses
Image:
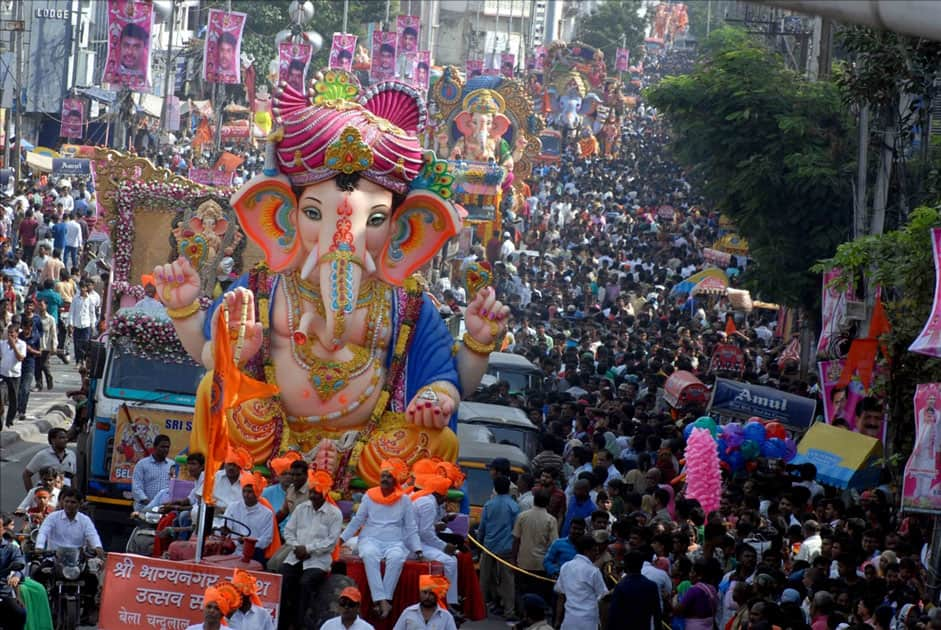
(349, 619)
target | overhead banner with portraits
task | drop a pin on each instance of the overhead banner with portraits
(341, 51)
(73, 118)
(293, 61)
(382, 66)
(223, 46)
(130, 23)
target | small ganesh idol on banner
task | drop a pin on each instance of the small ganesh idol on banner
(223, 45)
(73, 118)
(623, 60)
(408, 27)
(921, 488)
(539, 59)
(383, 56)
(474, 68)
(341, 51)
(293, 59)
(929, 340)
(507, 64)
(129, 26)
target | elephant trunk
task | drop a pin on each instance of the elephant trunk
(340, 276)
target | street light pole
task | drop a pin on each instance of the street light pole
(346, 14)
(166, 78)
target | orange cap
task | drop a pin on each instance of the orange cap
(238, 456)
(320, 480)
(352, 593)
(282, 464)
(247, 585)
(224, 595)
(396, 466)
(438, 584)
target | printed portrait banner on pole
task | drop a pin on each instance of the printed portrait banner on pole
(130, 23)
(73, 118)
(832, 307)
(507, 64)
(840, 402)
(341, 51)
(407, 29)
(623, 60)
(921, 484)
(929, 340)
(539, 59)
(422, 73)
(293, 60)
(474, 67)
(383, 56)
(223, 46)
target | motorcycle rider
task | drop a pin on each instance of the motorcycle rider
(47, 481)
(12, 566)
(67, 527)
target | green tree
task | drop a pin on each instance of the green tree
(770, 150)
(612, 21)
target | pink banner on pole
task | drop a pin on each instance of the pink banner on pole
(73, 118)
(833, 308)
(507, 64)
(407, 29)
(129, 26)
(422, 74)
(921, 485)
(474, 67)
(173, 113)
(539, 59)
(341, 51)
(383, 56)
(839, 403)
(929, 340)
(223, 47)
(293, 60)
(623, 60)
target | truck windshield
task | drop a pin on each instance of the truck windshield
(134, 377)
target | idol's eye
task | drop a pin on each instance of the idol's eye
(376, 219)
(312, 213)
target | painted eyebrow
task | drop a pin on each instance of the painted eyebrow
(314, 199)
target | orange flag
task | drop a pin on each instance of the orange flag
(730, 328)
(862, 359)
(230, 387)
(879, 325)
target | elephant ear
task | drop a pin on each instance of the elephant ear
(265, 206)
(422, 225)
(500, 124)
(462, 122)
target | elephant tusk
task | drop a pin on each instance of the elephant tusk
(370, 263)
(303, 326)
(311, 262)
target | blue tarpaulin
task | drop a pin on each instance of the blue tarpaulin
(844, 458)
(744, 400)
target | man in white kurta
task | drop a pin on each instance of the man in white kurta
(388, 533)
(257, 517)
(581, 585)
(427, 514)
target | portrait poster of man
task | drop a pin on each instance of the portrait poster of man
(474, 68)
(222, 47)
(507, 64)
(383, 56)
(623, 60)
(421, 74)
(293, 60)
(539, 59)
(129, 27)
(73, 118)
(341, 51)
(408, 28)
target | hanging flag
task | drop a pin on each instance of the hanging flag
(223, 46)
(293, 61)
(130, 23)
(173, 113)
(382, 66)
(833, 308)
(341, 51)
(929, 340)
(73, 118)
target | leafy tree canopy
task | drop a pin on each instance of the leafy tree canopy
(772, 151)
(605, 26)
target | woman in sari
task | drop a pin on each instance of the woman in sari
(699, 604)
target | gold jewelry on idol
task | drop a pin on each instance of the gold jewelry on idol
(183, 312)
(477, 347)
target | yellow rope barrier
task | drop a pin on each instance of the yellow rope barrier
(509, 564)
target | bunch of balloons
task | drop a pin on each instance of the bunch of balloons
(740, 445)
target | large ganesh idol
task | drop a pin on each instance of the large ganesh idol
(347, 209)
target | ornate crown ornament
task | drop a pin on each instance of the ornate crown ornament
(349, 154)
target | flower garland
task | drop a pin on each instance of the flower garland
(149, 337)
(162, 196)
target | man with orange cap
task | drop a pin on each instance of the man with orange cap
(313, 531)
(431, 610)
(258, 517)
(349, 619)
(386, 519)
(427, 501)
(250, 615)
(219, 601)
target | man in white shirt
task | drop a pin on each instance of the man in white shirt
(257, 517)
(313, 531)
(12, 353)
(426, 517)
(152, 473)
(389, 533)
(580, 586)
(349, 619)
(812, 544)
(56, 456)
(47, 476)
(82, 321)
(430, 612)
(250, 615)
(73, 241)
(659, 577)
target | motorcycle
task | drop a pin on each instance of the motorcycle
(63, 571)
